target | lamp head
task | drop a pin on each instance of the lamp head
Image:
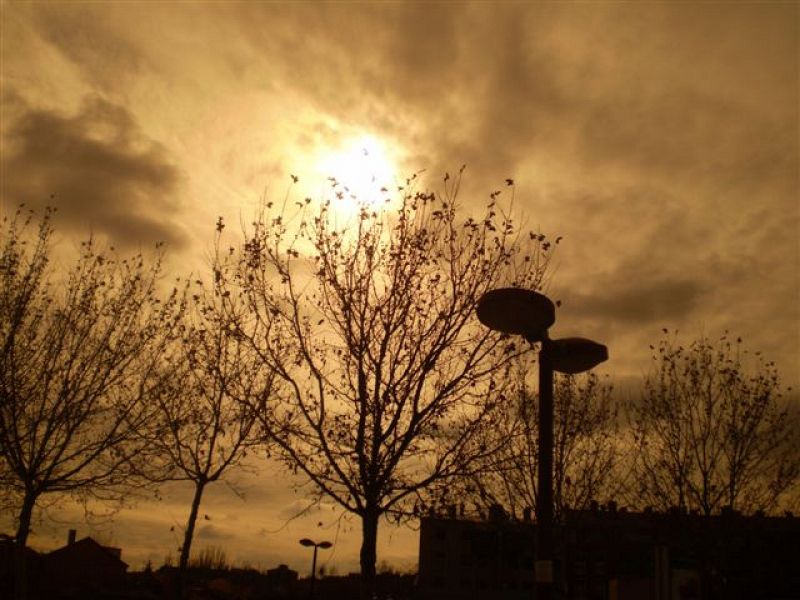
(576, 355)
(518, 312)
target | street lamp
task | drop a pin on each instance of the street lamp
(530, 314)
(316, 545)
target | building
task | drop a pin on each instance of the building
(282, 579)
(476, 559)
(81, 567)
(611, 554)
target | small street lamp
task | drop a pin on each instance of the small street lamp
(530, 314)
(316, 545)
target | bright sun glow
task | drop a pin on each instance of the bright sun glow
(362, 168)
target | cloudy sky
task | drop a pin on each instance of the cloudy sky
(659, 139)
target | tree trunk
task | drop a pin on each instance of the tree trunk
(188, 535)
(369, 539)
(20, 544)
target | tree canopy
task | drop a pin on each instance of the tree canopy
(711, 430)
(78, 357)
(586, 452)
(371, 327)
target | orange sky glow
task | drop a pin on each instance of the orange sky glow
(659, 139)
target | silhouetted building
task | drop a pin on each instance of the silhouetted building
(82, 567)
(611, 554)
(467, 559)
(281, 579)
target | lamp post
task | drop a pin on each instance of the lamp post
(530, 314)
(316, 545)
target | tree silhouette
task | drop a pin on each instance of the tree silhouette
(371, 327)
(711, 435)
(585, 449)
(77, 358)
(206, 423)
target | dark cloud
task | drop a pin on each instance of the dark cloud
(641, 302)
(98, 169)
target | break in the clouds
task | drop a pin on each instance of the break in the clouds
(97, 168)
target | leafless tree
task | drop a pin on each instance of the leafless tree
(710, 434)
(77, 356)
(206, 424)
(585, 451)
(372, 328)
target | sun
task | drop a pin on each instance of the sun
(362, 168)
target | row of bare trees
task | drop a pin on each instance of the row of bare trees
(708, 431)
(351, 352)
(108, 386)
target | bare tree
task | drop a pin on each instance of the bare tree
(585, 450)
(205, 422)
(372, 328)
(710, 434)
(77, 356)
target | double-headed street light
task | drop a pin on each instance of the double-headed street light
(530, 314)
(316, 545)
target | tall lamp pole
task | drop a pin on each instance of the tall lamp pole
(316, 545)
(530, 314)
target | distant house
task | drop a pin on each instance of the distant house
(611, 554)
(281, 577)
(81, 567)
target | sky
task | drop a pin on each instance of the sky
(659, 139)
